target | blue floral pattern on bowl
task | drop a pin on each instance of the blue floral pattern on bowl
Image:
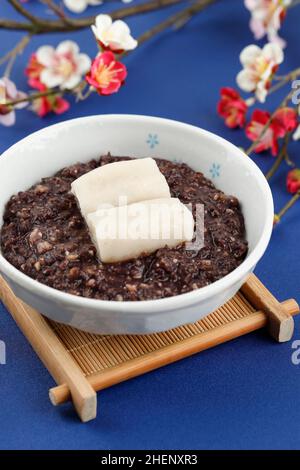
(152, 140)
(215, 170)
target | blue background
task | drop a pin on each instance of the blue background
(242, 395)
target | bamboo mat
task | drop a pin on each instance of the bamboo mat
(95, 353)
(83, 363)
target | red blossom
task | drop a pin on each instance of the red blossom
(286, 120)
(232, 107)
(33, 71)
(106, 74)
(283, 121)
(47, 104)
(293, 181)
(255, 127)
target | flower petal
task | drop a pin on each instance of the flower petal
(11, 89)
(45, 55)
(251, 4)
(51, 79)
(273, 53)
(260, 116)
(257, 28)
(249, 54)
(261, 92)
(83, 63)
(61, 106)
(119, 28)
(296, 135)
(130, 44)
(113, 87)
(77, 6)
(95, 31)
(42, 107)
(8, 119)
(21, 95)
(67, 46)
(71, 82)
(246, 80)
(103, 22)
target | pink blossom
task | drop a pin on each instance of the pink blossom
(267, 17)
(9, 92)
(64, 66)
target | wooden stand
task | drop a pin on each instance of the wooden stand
(83, 363)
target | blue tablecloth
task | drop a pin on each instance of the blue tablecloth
(244, 394)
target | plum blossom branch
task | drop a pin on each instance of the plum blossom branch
(185, 14)
(38, 25)
(259, 70)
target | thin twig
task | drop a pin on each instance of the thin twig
(23, 11)
(183, 16)
(57, 10)
(18, 49)
(35, 96)
(286, 207)
(280, 157)
(285, 79)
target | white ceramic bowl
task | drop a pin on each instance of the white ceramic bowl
(45, 152)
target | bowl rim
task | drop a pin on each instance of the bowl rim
(167, 303)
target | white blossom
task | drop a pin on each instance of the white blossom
(114, 35)
(78, 6)
(258, 68)
(63, 66)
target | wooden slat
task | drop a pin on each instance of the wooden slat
(280, 323)
(52, 353)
